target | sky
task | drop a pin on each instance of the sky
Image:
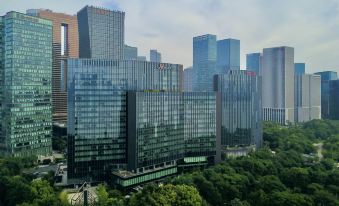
(310, 26)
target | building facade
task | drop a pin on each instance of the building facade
(168, 131)
(97, 108)
(240, 108)
(101, 33)
(278, 84)
(254, 62)
(228, 55)
(188, 77)
(26, 85)
(154, 55)
(65, 45)
(299, 68)
(141, 58)
(130, 52)
(326, 78)
(333, 100)
(204, 62)
(307, 97)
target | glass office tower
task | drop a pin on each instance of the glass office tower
(326, 78)
(26, 90)
(202, 140)
(101, 33)
(188, 77)
(168, 131)
(130, 52)
(254, 62)
(97, 108)
(155, 130)
(299, 68)
(334, 100)
(241, 108)
(204, 62)
(65, 45)
(228, 55)
(154, 55)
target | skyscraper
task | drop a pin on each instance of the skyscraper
(241, 110)
(278, 84)
(228, 55)
(97, 109)
(254, 62)
(141, 58)
(188, 76)
(327, 92)
(307, 97)
(154, 55)
(101, 33)
(65, 45)
(26, 85)
(130, 52)
(204, 62)
(333, 100)
(299, 68)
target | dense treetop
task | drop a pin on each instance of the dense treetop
(286, 171)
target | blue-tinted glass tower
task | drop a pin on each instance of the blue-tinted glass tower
(254, 62)
(327, 90)
(240, 108)
(299, 68)
(25, 85)
(101, 33)
(204, 62)
(228, 55)
(154, 55)
(130, 52)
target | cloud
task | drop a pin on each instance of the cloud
(310, 26)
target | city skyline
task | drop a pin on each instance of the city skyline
(255, 27)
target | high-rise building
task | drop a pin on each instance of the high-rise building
(132, 120)
(254, 62)
(26, 85)
(299, 68)
(141, 58)
(130, 52)
(204, 62)
(154, 55)
(228, 55)
(333, 100)
(278, 84)
(167, 131)
(307, 97)
(328, 75)
(101, 33)
(97, 109)
(188, 77)
(327, 92)
(240, 109)
(65, 45)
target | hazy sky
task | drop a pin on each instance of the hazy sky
(310, 26)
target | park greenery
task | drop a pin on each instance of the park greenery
(286, 171)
